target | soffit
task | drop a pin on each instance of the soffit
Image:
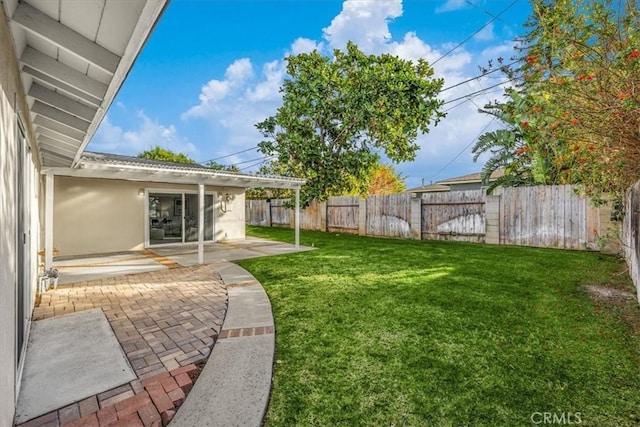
(73, 57)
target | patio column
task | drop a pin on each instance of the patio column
(297, 217)
(48, 221)
(200, 223)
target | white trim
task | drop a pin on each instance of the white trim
(201, 223)
(297, 226)
(174, 175)
(48, 221)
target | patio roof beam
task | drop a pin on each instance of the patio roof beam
(35, 21)
(56, 127)
(55, 145)
(41, 131)
(62, 102)
(61, 86)
(59, 116)
(63, 73)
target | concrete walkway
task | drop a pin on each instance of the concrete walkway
(234, 386)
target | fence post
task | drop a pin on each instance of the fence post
(492, 220)
(267, 213)
(362, 217)
(322, 211)
(415, 221)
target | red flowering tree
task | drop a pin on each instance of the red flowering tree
(580, 77)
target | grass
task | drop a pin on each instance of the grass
(392, 332)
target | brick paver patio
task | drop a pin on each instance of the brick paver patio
(166, 321)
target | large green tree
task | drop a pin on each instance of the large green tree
(339, 112)
(163, 154)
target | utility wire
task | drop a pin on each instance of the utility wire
(478, 92)
(463, 150)
(477, 77)
(263, 160)
(232, 154)
(472, 35)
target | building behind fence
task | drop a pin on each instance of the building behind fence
(541, 216)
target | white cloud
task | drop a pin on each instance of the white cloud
(451, 5)
(303, 45)
(148, 134)
(215, 91)
(364, 22)
(239, 71)
(269, 88)
(486, 34)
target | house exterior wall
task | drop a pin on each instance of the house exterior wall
(104, 215)
(12, 103)
(465, 187)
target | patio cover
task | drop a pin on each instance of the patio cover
(113, 166)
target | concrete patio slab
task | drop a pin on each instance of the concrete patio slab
(82, 269)
(70, 358)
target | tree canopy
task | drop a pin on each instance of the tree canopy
(163, 154)
(577, 107)
(339, 113)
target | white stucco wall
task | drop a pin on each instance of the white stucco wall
(230, 224)
(93, 216)
(12, 103)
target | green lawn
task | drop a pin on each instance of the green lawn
(385, 332)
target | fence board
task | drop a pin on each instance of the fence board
(389, 215)
(280, 215)
(310, 217)
(343, 214)
(456, 215)
(545, 217)
(256, 212)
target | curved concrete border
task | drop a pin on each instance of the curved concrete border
(234, 386)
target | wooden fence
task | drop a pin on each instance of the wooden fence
(456, 215)
(631, 234)
(551, 216)
(548, 216)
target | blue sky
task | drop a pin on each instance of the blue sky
(212, 69)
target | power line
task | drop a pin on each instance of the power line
(472, 35)
(463, 150)
(479, 92)
(263, 160)
(252, 160)
(232, 154)
(477, 77)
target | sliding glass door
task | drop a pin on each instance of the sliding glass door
(173, 217)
